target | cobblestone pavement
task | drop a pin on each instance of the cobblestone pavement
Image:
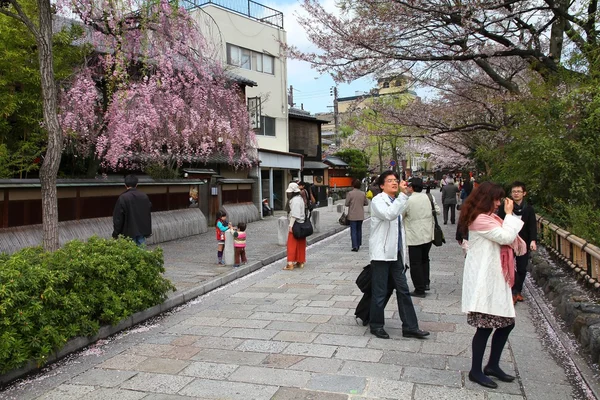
(292, 335)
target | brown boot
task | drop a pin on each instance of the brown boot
(300, 265)
(515, 299)
(289, 266)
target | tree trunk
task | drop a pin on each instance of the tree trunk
(49, 168)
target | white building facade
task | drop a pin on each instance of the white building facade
(247, 38)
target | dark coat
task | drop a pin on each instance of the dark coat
(363, 281)
(529, 231)
(131, 216)
(449, 192)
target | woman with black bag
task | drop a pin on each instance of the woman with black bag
(296, 248)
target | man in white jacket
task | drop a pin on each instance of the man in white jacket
(388, 254)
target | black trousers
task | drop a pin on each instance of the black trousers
(379, 289)
(419, 266)
(451, 207)
(521, 273)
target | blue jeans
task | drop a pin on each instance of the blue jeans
(379, 281)
(139, 240)
(356, 233)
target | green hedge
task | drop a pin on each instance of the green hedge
(48, 298)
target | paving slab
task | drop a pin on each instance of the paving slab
(292, 335)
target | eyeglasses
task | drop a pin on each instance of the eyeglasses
(392, 181)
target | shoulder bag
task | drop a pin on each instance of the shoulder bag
(301, 230)
(344, 219)
(438, 234)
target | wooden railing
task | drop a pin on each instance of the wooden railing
(581, 256)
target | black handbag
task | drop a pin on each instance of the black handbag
(301, 230)
(438, 234)
(344, 219)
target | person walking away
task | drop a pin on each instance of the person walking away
(525, 211)
(449, 195)
(356, 199)
(239, 245)
(221, 226)
(387, 251)
(443, 182)
(296, 248)
(419, 225)
(132, 213)
(305, 196)
(488, 277)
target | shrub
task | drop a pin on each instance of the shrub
(49, 298)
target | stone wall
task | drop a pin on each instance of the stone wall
(241, 212)
(572, 301)
(166, 225)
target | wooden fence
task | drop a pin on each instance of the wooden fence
(581, 256)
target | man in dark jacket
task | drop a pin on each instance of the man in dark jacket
(528, 233)
(131, 217)
(449, 195)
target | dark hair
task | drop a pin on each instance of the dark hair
(242, 226)
(518, 184)
(381, 179)
(220, 214)
(301, 183)
(131, 181)
(356, 184)
(480, 201)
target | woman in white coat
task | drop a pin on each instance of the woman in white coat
(489, 276)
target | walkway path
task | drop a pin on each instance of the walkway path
(292, 335)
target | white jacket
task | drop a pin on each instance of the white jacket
(418, 219)
(383, 242)
(484, 288)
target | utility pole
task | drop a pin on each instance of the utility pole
(334, 92)
(291, 96)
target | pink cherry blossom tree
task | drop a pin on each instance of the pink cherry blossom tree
(151, 95)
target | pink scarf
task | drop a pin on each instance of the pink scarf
(485, 222)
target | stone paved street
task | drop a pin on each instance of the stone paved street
(292, 335)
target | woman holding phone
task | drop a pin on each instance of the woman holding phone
(489, 274)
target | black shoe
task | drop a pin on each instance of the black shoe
(445, 223)
(488, 384)
(354, 249)
(498, 373)
(419, 334)
(418, 294)
(427, 287)
(380, 333)
(452, 222)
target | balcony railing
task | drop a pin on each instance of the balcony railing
(248, 8)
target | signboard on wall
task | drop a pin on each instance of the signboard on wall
(308, 179)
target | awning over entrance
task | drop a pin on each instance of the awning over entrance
(277, 159)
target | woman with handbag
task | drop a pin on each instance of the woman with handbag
(355, 202)
(296, 248)
(419, 223)
(488, 277)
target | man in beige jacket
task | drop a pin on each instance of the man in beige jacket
(419, 224)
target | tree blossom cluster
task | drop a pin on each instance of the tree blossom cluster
(150, 94)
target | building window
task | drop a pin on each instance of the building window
(267, 126)
(254, 111)
(386, 85)
(248, 59)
